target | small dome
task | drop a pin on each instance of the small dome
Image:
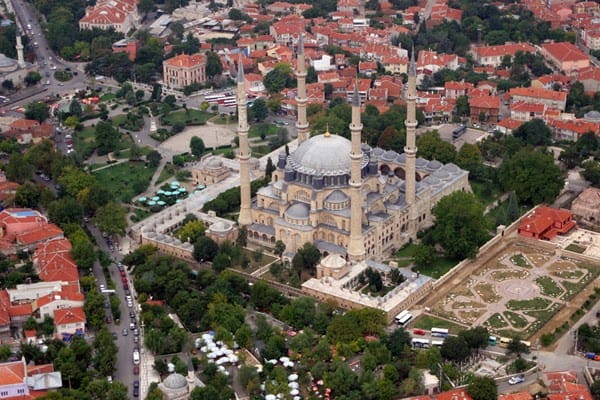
(214, 163)
(337, 196)
(220, 226)
(441, 174)
(431, 180)
(389, 155)
(333, 261)
(451, 168)
(175, 381)
(298, 211)
(365, 147)
(378, 151)
(434, 164)
(421, 162)
(401, 158)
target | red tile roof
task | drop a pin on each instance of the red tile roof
(538, 93)
(516, 396)
(186, 60)
(564, 51)
(502, 50)
(485, 102)
(69, 316)
(12, 373)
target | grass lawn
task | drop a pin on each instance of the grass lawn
(537, 303)
(139, 215)
(108, 97)
(224, 120)
(167, 172)
(515, 319)
(427, 322)
(520, 261)
(549, 287)
(407, 251)
(485, 192)
(125, 180)
(257, 260)
(267, 129)
(496, 321)
(119, 120)
(84, 141)
(191, 117)
(575, 248)
(439, 267)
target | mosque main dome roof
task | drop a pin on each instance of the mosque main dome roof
(327, 155)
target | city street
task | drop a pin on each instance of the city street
(125, 344)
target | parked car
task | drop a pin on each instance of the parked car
(419, 332)
(136, 370)
(516, 379)
(125, 332)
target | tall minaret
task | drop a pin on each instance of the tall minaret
(302, 122)
(356, 247)
(245, 217)
(19, 46)
(411, 125)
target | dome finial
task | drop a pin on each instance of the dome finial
(327, 133)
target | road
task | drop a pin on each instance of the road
(125, 344)
(46, 58)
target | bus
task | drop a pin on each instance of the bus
(420, 343)
(439, 332)
(492, 340)
(404, 320)
(230, 102)
(214, 98)
(459, 131)
(504, 341)
(401, 315)
(225, 99)
(438, 343)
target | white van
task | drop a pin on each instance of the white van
(136, 357)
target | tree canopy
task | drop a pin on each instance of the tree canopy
(459, 224)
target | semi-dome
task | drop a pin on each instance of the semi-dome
(298, 211)
(220, 226)
(175, 381)
(337, 196)
(327, 155)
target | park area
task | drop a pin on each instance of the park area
(516, 292)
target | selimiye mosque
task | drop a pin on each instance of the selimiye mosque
(347, 198)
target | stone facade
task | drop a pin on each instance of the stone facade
(587, 206)
(210, 172)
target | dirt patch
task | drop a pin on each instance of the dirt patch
(509, 274)
(565, 271)
(470, 315)
(487, 292)
(466, 304)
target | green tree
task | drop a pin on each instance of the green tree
(469, 157)
(432, 147)
(397, 341)
(214, 66)
(18, 168)
(65, 210)
(424, 255)
(459, 224)
(32, 78)
(197, 146)
(82, 250)
(279, 248)
(513, 212)
(191, 231)
(37, 110)
(532, 175)
(205, 249)
(107, 137)
(75, 108)
(483, 388)
(455, 348)
(306, 258)
(153, 158)
(516, 346)
(27, 195)
(259, 110)
(534, 132)
(278, 78)
(94, 311)
(111, 218)
(476, 338)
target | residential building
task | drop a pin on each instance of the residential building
(19, 381)
(484, 109)
(566, 129)
(24, 229)
(550, 98)
(522, 111)
(493, 55)
(454, 90)
(565, 56)
(69, 321)
(590, 78)
(122, 15)
(183, 70)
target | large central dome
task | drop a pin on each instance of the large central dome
(326, 155)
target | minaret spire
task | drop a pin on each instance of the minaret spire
(302, 121)
(356, 247)
(245, 217)
(19, 47)
(411, 148)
